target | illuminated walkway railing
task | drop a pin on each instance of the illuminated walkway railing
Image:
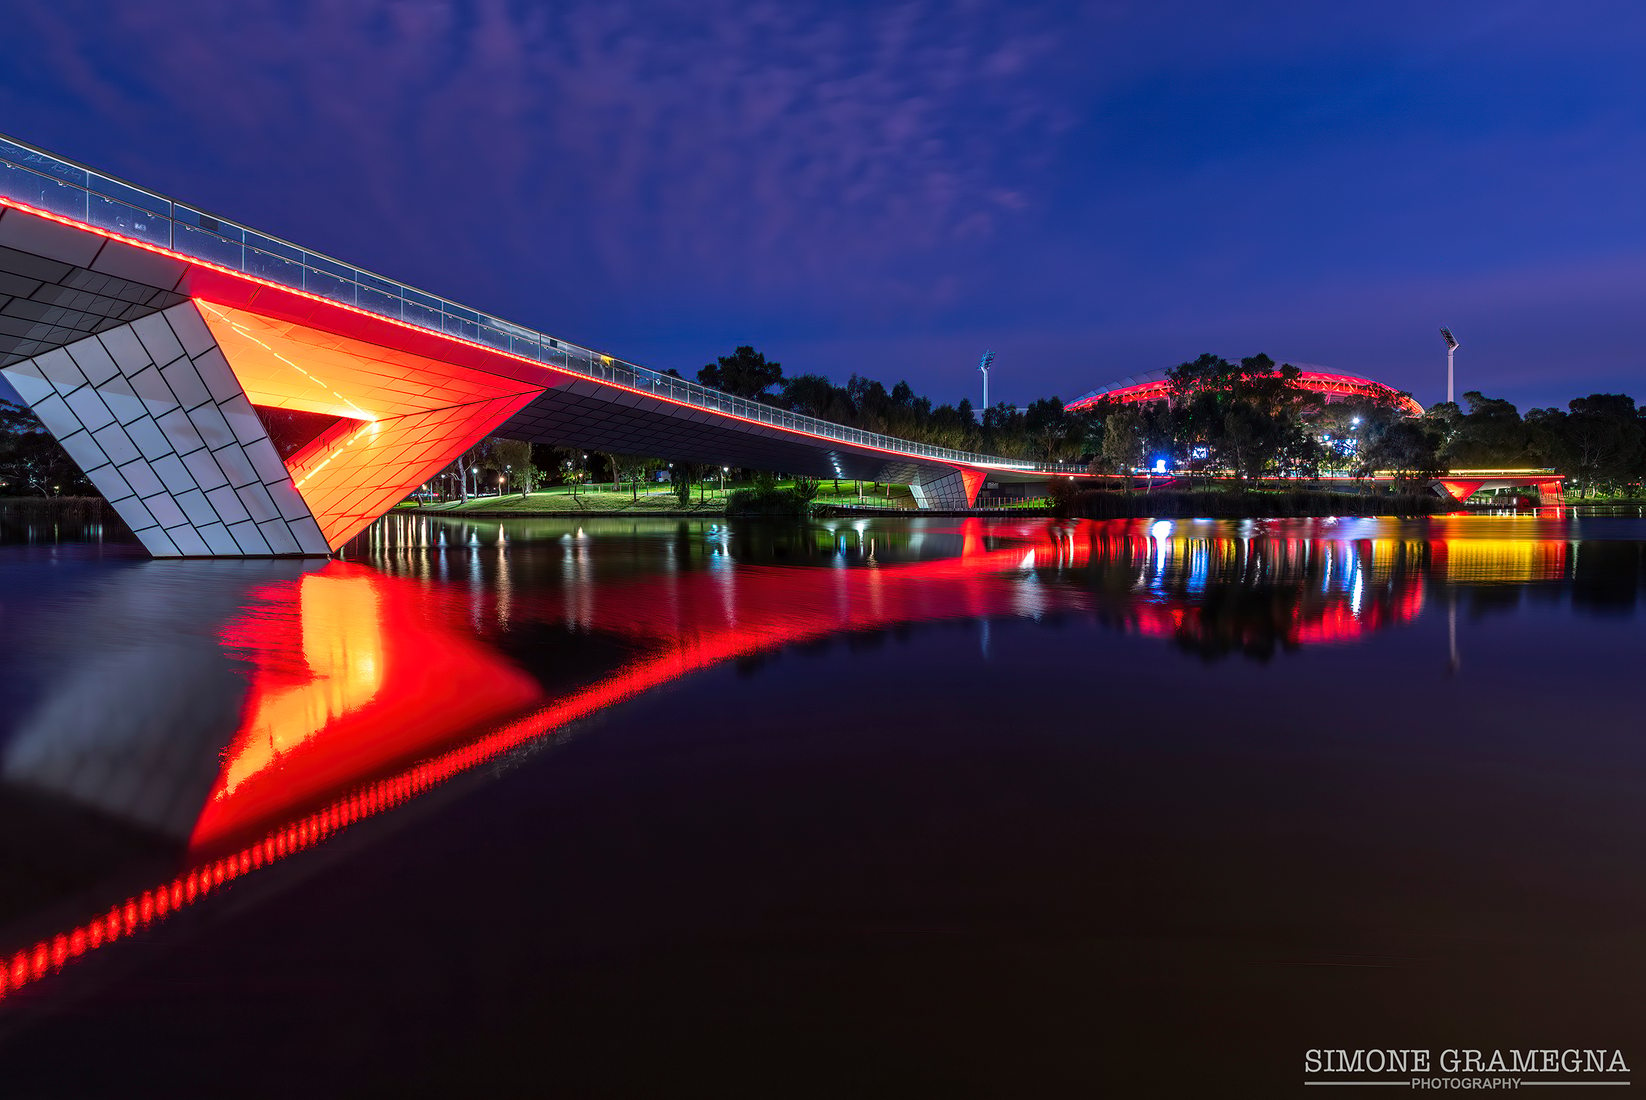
(38, 179)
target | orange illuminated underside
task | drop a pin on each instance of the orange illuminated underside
(404, 415)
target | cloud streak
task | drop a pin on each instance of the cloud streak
(719, 138)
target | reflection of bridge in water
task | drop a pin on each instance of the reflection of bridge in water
(364, 689)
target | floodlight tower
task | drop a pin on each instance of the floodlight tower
(983, 365)
(1451, 347)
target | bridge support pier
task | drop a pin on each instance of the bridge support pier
(946, 488)
(152, 413)
(169, 417)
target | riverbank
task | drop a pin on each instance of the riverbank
(565, 504)
(61, 517)
(1091, 504)
(706, 500)
(1247, 504)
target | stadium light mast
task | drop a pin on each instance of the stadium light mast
(1451, 348)
(983, 365)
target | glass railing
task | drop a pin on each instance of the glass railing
(40, 180)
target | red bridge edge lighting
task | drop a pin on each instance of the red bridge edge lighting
(469, 345)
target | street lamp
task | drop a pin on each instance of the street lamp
(1451, 347)
(983, 365)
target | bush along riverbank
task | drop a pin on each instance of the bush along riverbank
(769, 500)
(1241, 504)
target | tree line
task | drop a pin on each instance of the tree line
(1043, 430)
(1246, 419)
(1251, 418)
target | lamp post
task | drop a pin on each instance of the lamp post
(983, 365)
(1451, 347)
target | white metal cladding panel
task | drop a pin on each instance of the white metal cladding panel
(939, 488)
(160, 425)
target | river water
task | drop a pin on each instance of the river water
(885, 807)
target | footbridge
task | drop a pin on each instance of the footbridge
(235, 395)
(1460, 485)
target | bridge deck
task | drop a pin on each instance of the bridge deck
(152, 338)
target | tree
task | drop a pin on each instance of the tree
(1123, 442)
(514, 457)
(1409, 448)
(1490, 435)
(1250, 416)
(1599, 443)
(1055, 433)
(32, 461)
(745, 372)
(681, 476)
(871, 404)
(633, 469)
(814, 395)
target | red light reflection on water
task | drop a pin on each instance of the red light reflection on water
(352, 681)
(361, 697)
(356, 680)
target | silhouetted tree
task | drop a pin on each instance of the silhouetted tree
(744, 372)
(1489, 435)
(1599, 443)
(1410, 449)
(32, 461)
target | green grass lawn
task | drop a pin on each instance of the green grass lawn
(586, 499)
(707, 499)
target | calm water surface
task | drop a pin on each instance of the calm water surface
(888, 807)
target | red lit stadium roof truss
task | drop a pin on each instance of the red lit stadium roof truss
(1329, 384)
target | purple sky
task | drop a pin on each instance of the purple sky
(1091, 190)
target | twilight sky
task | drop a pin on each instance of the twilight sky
(1092, 190)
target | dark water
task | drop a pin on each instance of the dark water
(931, 807)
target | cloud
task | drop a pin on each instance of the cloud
(892, 176)
(756, 146)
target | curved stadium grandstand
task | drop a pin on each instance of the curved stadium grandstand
(1332, 385)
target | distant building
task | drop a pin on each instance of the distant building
(1155, 386)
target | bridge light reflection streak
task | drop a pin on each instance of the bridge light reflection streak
(333, 700)
(344, 719)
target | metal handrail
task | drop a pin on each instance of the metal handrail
(43, 181)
